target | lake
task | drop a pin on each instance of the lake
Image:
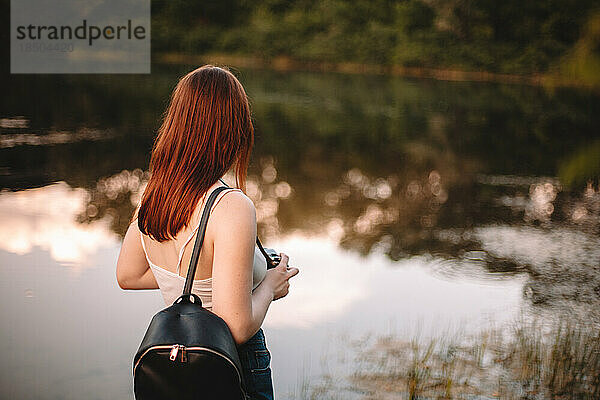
(413, 208)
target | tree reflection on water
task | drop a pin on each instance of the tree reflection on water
(499, 177)
(377, 164)
(485, 179)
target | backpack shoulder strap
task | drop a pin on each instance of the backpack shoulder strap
(189, 280)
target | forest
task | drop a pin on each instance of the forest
(511, 36)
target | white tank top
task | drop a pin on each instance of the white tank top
(171, 283)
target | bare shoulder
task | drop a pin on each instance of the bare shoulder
(235, 201)
(133, 232)
(234, 209)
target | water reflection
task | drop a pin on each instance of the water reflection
(114, 198)
(47, 218)
(340, 285)
(14, 123)
(400, 200)
(52, 219)
(340, 292)
(50, 138)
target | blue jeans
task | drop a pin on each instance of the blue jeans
(256, 361)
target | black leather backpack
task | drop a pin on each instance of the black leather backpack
(188, 352)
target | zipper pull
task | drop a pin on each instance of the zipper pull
(174, 351)
(183, 355)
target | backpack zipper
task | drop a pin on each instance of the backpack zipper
(177, 347)
(175, 350)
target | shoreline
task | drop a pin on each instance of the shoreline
(288, 64)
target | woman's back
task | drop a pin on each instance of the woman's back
(169, 260)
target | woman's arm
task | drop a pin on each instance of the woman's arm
(232, 297)
(233, 255)
(133, 271)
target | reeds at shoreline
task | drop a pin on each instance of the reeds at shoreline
(524, 361)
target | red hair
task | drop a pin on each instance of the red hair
(207, 129)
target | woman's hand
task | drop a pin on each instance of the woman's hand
(278, 278)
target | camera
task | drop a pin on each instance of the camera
(274, 258)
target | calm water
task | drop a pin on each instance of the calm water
(410, 206)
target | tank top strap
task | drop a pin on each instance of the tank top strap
(144, 248)
(193, 233)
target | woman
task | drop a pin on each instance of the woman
(207, 131)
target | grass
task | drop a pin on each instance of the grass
(567, 365)
(526, 361)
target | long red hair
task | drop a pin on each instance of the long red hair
(207, 129)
